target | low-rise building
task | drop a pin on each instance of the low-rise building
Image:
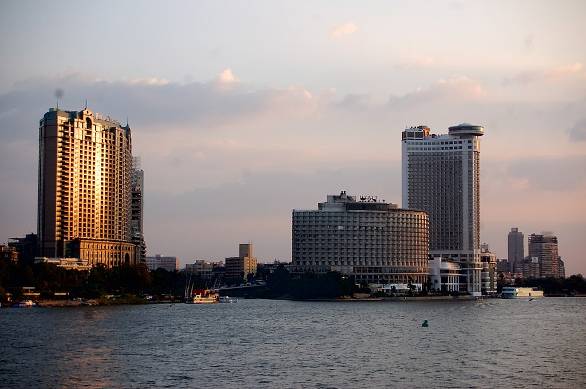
(371, 240)
(444, 275)
(26, 247)
(159, 262)
(238, 268)
(202, 269)
(8, 253)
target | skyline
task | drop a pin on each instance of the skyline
(227, 141)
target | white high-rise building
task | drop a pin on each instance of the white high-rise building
(441, 175)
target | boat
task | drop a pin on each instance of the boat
(228, 300)
(204, 296)
(511, 292)
(23, 304)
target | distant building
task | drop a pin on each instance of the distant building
(372, 240)
(502, 265)
(561, 268)
(137, 210)
(544, 247)
(531, 267)
(489, 274)
(441, 176)
(516, 250)
(159, 262)
(238, 268)
(26, 247)
(202, 269)
(84, 189)
(8, 253)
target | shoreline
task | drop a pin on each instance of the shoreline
(100, 302)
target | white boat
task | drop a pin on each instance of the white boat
(23, 304)
(204, 296)
(228, 299)
(512, 292)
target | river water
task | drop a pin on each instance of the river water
(267, 343)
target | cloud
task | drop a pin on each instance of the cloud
(153, 81)
(418, 62)
(553, 74)
(150, 103)
(227, 77)
(459, 88)
(529, 42)
(564, 70)
(552, 174)
(578, 131)
(343, 30)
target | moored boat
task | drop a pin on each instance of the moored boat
(511, 292)
(228, 299)
(23, 304)
(203, 296)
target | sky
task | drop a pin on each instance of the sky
(244, 110)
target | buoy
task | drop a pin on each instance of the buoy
(425, 324)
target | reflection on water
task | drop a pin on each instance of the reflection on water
(261, 343)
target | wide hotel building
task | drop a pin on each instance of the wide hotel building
(371, 240)
(85, 167)
(441, 175)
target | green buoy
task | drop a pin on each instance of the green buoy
(425, 324)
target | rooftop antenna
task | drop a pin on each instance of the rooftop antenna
(58, 95)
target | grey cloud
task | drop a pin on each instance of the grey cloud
(354, 101)
(563, 174)
(529, 42)
(147, 105)
(522, 78)
(455, 89)
(578, 131)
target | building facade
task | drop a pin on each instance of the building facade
(238, 268)
(373, 241)
(543, 249)
(85, 163)
(137, 210)
(159, 262)
(516, 250)
(202, 269)
(444, 275)
(489, 274)
(441, 175)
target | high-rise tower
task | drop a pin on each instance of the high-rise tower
(441, 175)
(85, 163)
(137, 210)
(516, 248)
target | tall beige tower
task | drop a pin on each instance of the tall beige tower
(85, 165)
